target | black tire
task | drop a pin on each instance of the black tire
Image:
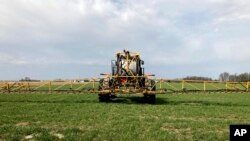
(104, 98)
(149, 98)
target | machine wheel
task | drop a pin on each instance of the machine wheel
(149, 98)
(104, 98)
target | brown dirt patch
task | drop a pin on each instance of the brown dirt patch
(22, 124)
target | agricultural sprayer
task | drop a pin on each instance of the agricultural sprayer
(127, 77)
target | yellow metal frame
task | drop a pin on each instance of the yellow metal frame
(91, 86)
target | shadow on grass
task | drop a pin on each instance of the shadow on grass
(204, 103)
(165, 101)
(137, 100)
(119, 100)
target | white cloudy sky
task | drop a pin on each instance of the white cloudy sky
(49, 39)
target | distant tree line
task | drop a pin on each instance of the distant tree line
(243, 77)
(28, 79)
(225, 76)
(197, 78)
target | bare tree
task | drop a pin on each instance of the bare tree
(224, 76)
(243, 77)
(233, 77)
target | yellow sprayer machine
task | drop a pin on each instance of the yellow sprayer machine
(127, 77)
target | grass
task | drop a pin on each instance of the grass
(82, 117)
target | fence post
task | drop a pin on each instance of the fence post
(248, 86)
(49, 86)
(8, 86)
(160, 84)
(204, 87)
(93, 83)
(226, 86)
(183, 84)
(71, 84)
(28, 86)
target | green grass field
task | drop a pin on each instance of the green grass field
(82, 117)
